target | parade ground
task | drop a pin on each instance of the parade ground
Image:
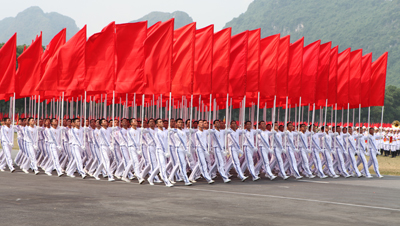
(28, 199)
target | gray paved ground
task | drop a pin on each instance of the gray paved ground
(28, 199)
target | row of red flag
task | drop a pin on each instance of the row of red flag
(134, 59)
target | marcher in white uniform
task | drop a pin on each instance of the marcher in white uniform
(218, 144)
(181, 150)
(248, 137)
(235, 151)
(76, 139)
(201, 150)
(104, 138)
(264, 148)
(161, 140)
(54, 134)
(135, 137)
(7, 138)
(31, 139)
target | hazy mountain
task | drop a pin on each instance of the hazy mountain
(31, 21)
(371, 25)
(181, 18)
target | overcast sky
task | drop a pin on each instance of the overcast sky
(98, 13)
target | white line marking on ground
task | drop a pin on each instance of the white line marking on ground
(319, 182)
(292, 198)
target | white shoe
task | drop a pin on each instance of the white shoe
(172, 182)
(188, 184)
(97, 178)
(36, 172)
(169, 185)
(49, 174)
(244, 179)
(126, 180)
(60, 175)
(150, 182)
(272, 177)
(141, 181)
(131, 177)
(369, 177)
(83, 176)
(12, 171)
(323, 177)
(211, 182)
(311, 176)
(380, 176)
(227, 181)
(300, 177)
(119, 178)
(193, 181)
(111, 179)
(72, 176)
(286, 177)
(2, 170)
(347, 176)
(25, 171)
(256, 179)
(180, 180)
(336, 176)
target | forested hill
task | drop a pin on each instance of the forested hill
(31, 22)
(373, 25)
(181, 18)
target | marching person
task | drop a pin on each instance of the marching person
(76, 139)
(181, 151)
(31, 147)
(235, 151)
(161, 141)
(7, 138)
(54, 134)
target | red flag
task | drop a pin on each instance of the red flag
(221, 61)
(65, 71)
(130, 57)
(332, 87)
(158, 55)
(100, 60)
(295, 70)
(342, 79)
(203, 61)
(323, 74)
(378, 81)
(268, 66)
(366, 64)
(355, 78)
(283, 64)
(310, 72)
(238, 64)
(183, 60)
(29, 69)
(253, 64)
(72, 63)
(51, 49)
(8, 65)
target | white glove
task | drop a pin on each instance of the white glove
(225, 153)
(284, 151)
(297, 150)
(273, 132)
(255, 149)
(83, 147)
(336, 134)
(167, 155)
(35, 147)
(111, 147)
(308, 150)
(228, 131)
(11, 144)
(286, 132)
(139, 153)
(188, 154)
(59, 148)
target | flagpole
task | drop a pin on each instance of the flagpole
(285, 126)
(226, 122)
(258, 112)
